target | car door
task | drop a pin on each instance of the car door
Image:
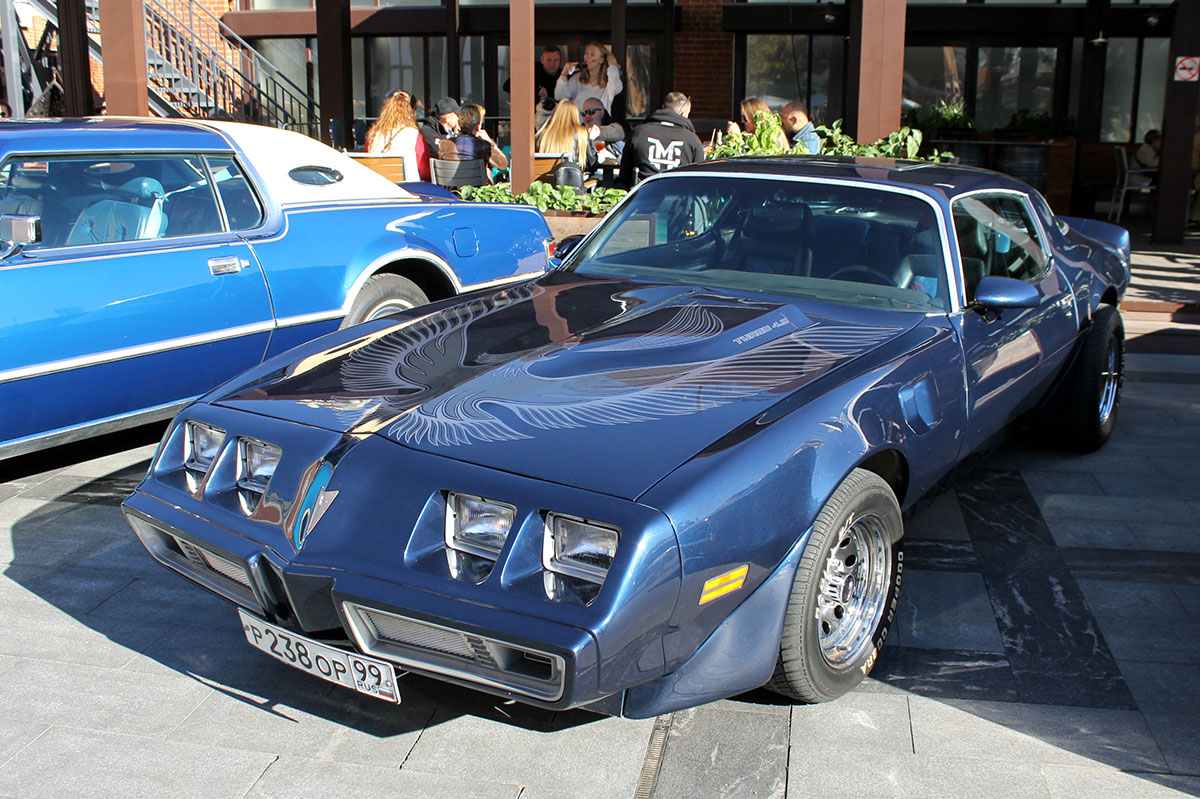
(137, 298)
(1010, 355)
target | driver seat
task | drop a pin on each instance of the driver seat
(773, 241)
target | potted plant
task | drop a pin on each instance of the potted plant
(566, 211)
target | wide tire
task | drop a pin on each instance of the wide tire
(1092, 394)
(844, 596)
(382, 295)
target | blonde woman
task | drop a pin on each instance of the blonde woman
(598, 77)
(751, 106)
(565, 133)
(395, 133)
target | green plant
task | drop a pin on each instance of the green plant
(546, 197)
(765, 140)
(903, 143)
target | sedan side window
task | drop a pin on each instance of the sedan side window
(114, 197)
(996, 236)
(241, 207)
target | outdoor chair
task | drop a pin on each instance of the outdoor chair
(390, 166)
(1138, 179)
(452, 174)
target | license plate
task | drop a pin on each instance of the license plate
(366, 675)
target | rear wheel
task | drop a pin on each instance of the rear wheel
(1092, 395)
(844, 596)
(382, 295)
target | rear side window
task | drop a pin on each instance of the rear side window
(242, 208)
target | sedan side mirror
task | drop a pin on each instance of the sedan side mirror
(17, 231)
(997, 293)
(564, 246)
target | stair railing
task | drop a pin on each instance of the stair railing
(207, 70)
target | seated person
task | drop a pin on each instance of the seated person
(608, 136)
(473, 141)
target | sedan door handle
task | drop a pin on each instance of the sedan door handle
(225, 265)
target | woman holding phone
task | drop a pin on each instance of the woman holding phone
(599, 77)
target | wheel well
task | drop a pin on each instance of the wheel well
(892, 467)
(1109, 297)
(429, 278)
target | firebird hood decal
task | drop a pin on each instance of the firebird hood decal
(546, 378)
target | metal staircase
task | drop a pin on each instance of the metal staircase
(198, 67)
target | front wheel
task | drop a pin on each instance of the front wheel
(382, 295)
(843, 599)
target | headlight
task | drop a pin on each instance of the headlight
(203, 443)
(256, 465)
(579, 548)
(476, 525)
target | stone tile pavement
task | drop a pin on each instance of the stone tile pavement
(1049, 646)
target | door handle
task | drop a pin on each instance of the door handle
(225, 265)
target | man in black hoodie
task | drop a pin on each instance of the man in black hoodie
(664, 141)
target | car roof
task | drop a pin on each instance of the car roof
(108, 133)
(943, 181)
(272, 153)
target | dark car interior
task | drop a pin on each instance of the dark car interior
(846, 243)
(100, 199)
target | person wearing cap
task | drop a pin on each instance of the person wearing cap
(441, 123)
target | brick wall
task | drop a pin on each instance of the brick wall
(704, 59)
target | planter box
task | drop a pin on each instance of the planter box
(568, 223)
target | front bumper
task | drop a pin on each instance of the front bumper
(508, 654)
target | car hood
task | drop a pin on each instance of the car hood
(598, 383)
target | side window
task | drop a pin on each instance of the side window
(996, 236)
(114, 197)
(241, 206)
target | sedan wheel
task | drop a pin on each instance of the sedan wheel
(843, 599)
(382, 295)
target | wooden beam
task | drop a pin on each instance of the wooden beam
(875, 79)
(1175, 177)
(335, 72)
(73, 61)
(520, 48)
(123, 30)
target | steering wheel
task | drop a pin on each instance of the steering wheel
(870, 275)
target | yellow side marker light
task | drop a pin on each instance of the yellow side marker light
(724, 584)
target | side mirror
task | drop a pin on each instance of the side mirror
(997, 293)
(563, 247)
(17, 231)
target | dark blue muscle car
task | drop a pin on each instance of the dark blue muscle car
(671, 469)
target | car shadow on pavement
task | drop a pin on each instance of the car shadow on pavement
(85, 594)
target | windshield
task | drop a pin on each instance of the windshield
(853, 245)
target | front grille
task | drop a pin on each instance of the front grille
(396, 630)
(204, 559)
(444, 650)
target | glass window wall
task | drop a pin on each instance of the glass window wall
(781, 68)
(1012, 79)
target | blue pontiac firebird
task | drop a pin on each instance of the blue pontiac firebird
(668, 471)
(146, 261)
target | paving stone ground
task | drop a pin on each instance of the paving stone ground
(1049, 646)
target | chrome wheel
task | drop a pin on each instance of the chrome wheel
(395, 305)
(853, 590)
(1110, 379)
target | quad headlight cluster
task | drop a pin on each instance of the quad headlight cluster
(252, 468)
(577, 553)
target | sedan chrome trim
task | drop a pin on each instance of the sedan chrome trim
(111, 356)
(79, 432)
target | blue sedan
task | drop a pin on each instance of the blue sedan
(147, 261)
(670, 470)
